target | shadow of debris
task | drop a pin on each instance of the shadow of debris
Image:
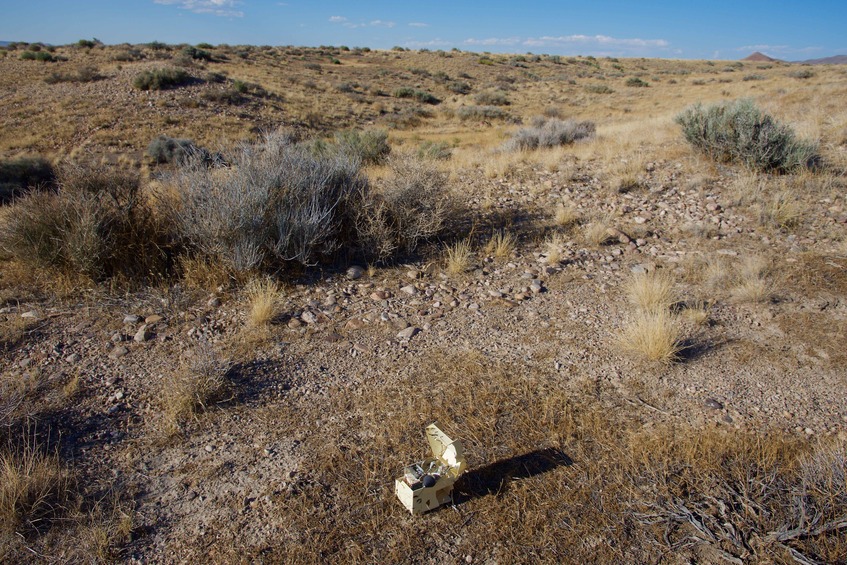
(494, 479)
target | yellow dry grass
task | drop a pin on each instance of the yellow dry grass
(458, 257)
(651, 291)
(501, 245)
(653, 335)
(263, 296)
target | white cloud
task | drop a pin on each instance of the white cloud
(599, 40)
(437, 42)
(779, 49)
(418, 24)
(589, 44)
(353, 25)
(493, 41)
(224, 8)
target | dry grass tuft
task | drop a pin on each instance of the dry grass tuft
(782, 210)
(751, 280)
(33, 485)
(653, 335)
(697, 313)
(199, 383)
(263, 296)
(566, 216)
(553, 248)
(597, 232)
(502, 244)
(652, 291)
(458, 258)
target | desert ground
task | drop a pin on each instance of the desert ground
(640, 343)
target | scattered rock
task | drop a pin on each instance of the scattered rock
(152, 319)
(354, 324)
(131, 319)
(30, 315)
(355, 272)
(118, 352)
(143, 334)
(309, 317)
(409, 289)
(713, 404)
(408, 333)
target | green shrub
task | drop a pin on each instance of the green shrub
(205, 46)
(459, 87)
(550, 132)
(740, 132)
(97, 223)
(492, 98)
(229, 96)
(160, 79)
(195, 53)
(419, 95)
(164, 149)
(753, 76)
(280, 201)
(636, 82)
(598, 89)
(19, 175)
(42, 56)
(158, 46)
(370, 147)
(802, 73)
(86, 43)
(434, 151)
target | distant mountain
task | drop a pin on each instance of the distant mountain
(834, 60)
(759, 58)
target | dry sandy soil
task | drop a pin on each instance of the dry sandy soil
(578, 450)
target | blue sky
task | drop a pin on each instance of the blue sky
(717, 29)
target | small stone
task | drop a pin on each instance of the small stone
(354, 324)
(409, 289)
(209, 448)
(294, 323)
(413, 274)
(131, 319)
(30, 315)
(143, 334)
(153, 319)
(495, 293)
(536, 287)
(119, 395)
(333, 337)
(73, 358)
(400, 324)
(639, 219)
(379, 295)
(118, 352)
(408, 333)
(355, 272)
(309, 317)
(713, 404)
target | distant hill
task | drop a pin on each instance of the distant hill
(759, 58)
(834, 60)
(4, 43)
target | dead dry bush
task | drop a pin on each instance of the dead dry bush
(98, 224)
(411, 204)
